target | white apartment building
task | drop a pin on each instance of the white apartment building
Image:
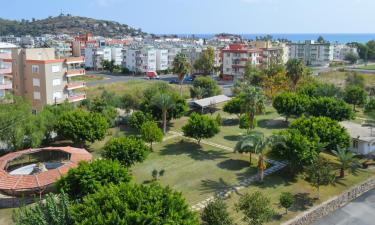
(5, 68)
(95, 56)
(312, 53)
(235, 58)
(116, 55)
(341, 50)
(140, 60)
(172, 52)
(161, 59)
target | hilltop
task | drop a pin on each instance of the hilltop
(66, 24)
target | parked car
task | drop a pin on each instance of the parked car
(174, 81)
(187, 79)
(152, 75)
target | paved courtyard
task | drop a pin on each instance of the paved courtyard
(359, 212)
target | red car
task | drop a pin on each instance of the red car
(152, 75)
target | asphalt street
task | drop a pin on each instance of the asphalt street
(358, 212)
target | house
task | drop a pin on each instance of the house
(363, 137)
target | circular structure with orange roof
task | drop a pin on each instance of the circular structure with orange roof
(34, 171)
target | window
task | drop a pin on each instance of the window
(36, 82)
(57, 95)
(36, 95)
(55, 68)
(355, 144)
(56, 82)
(35, 69)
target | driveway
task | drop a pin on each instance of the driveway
(359, 212)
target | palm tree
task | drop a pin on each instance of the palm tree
(247, 144)
(347, 160)
(295, 71)
(164, 102)
(181, 66)
(252, 103)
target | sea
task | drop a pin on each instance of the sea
(339, 38)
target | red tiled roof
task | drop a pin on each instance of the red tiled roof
(19, 183)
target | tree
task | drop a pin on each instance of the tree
(127, 150)
(108, 65)
(351, 57)
(207, 84)
(181, 66)
(370, 106)
(206, 62)
(102, 106)
(320, 173)
(88, 177)
(325, 129)
(252, 103)
(355, 95)
(81, 126)
(298, 149)
(295, 71)
(355, 79)
(256, 208)
(290, 104)
(216, 213)
(164, 102)
(54, 210)
(233, 106)
(330, 107)
(321, 40)
(319, 89)
(200, 126)
(134, 204)
(150, 133)
(275, 83)
(347, 160)
(252, 75)
(286, 200)
(137, 119)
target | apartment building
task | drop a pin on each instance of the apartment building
(5, 68)
(140, 59)
(235, 58)
(162, 59)
(172, 52)
(43, 79)
(116, 55)
(312, 53)
(95, 56)
(340, 51)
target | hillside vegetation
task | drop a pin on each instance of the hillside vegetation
(66, 24)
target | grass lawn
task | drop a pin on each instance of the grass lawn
(134, 87)
(197, 171)
(88, 78)
(338, 78)
(368, 67)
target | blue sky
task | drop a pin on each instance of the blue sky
(212, 16)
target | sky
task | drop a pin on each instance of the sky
(211, 16)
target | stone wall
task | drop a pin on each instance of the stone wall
(332, 204)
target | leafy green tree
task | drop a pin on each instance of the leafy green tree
(320, 173)
(370, 106)
(216, 213)
(252, 103)
(286, 200)
(321, 40)
(295, 71)
(209, 86)
(319, 89)
(347, 160)
(134, 204)
(102, 106)
(206, 62)
(87, 177)
(298, 149)
(51, 211)
(256, 208)
(181, 66)
(127, 150)
(130, 102)
(137, 119)
(109, 65)
(151, 133)
(233, 106)
(355, 95)
(164, 102)
(252, 75)
(200, 126)
(355, 79)
(81, 126)
(290, 104)
(351, 57)
(330, 107)
(325, 130)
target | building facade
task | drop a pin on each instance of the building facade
(5, 69)
(312, 53)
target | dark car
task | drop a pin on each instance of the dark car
(174, 81)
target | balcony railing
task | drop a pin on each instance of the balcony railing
(5, 56)
(6, 86)
(72, 60)
(77, 97)
(75, 85)
(5, 70)
(75, 72)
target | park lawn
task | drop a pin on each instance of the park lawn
(88, 78)
(133, 87)
(338, 78)
(198, 171)
(368, 67)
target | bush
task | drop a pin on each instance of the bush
(87, 177)
(233, 106)
(216, 213)
(286, 200)
(370, 106)
(209, 86)
(137, 119)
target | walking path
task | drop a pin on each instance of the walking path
(276, 166)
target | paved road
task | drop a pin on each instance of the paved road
(359, 212)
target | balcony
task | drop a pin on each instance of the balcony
(6, 85)
(77, 97)
(73, 60)
(75, 85)
(5, 70)
(5, 56)
(75, 72)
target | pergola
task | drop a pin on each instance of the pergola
(207, 102)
